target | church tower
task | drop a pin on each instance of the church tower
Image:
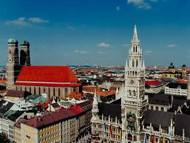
(134, 104)
(24, 53)
(12, 68)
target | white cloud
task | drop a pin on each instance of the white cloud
(125, 45)
(22, 21)
(117, 8)
(139, 3)
(104, 45)
(172, 45)
(148, 52)
(101, 52)
(37, 20)
(81, 52)
(71, 28)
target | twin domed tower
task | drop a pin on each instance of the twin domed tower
(13, 64)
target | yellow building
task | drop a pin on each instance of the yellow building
(184, 71)
(56, 127)
(41, 129)
(16, 95)
(172, 73)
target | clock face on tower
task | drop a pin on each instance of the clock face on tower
(132, 81)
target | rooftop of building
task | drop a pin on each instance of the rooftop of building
(24, 43)
(158, 118)
(159, 99)
(112, 110)
(171, 66)
(177, 85)
(12, 41)
(47, 76)
(153, 82)
(19, 94)
(49, 118)
(76, 109)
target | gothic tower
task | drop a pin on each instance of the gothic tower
(12, 68)
(24, 53)
(95, 111)
(134, 103)
(188, 87)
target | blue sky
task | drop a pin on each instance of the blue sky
(97, 32)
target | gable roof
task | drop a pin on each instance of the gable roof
(112, 110)
(47, 76)
(153, 82)
(158, 118)
(77, 109)
(159, 99)
(20, 94)
(177, 85)
(182, 122)
(49, 119)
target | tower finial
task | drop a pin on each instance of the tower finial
(135, 36)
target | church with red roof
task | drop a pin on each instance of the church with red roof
(57, 81)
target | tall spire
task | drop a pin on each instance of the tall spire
(135, 37)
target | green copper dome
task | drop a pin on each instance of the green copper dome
(12, 41)
(24, 43)
(171, 66)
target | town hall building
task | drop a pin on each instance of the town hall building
(130, 120)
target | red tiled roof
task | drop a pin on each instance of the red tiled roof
(77, 109)
(77, 96)
(98, 91)
(153, 82)
(47, 84)
(48, 119)
(47, 76)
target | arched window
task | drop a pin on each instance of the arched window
(133, 49)
(66, 91)
(129, 137)
(39, 90)
(136, 62)
(53, 91)
(129, 92)
(134, 93)
(34, 90)
(59, 94)
(29, 89)
(74, 89)
(133, 63)
(135, 138)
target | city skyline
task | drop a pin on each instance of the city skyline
(97, 32)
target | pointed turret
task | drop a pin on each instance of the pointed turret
(188, 87)
(126, 65)
(135, 36)
(95, 109)
(95, 104)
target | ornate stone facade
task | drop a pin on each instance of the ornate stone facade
(128, 120)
